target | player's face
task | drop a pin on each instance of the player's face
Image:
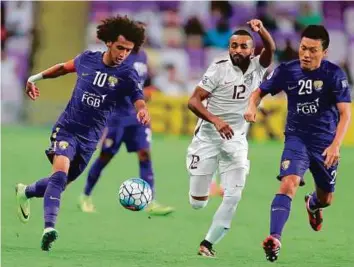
(240, 49)
(120, 49)
(311, 53)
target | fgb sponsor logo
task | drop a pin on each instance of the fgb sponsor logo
(93, 100)
(308, 107)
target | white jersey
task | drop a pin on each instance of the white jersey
(230, 90)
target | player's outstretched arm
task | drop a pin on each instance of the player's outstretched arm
(269, 48)
(196, 106)
(55, 71)
(255, 100)
(332, 152)
(143, 115)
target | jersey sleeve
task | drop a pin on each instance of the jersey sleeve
(341, 89)
(210, 78)
(274, 84)
(134, 88)
(78, 58)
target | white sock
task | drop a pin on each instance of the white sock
(234, 183)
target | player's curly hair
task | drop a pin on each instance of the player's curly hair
(112, 27)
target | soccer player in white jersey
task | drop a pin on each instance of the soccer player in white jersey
(220, 136)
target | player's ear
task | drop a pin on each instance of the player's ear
(325, 52)
(109, 44)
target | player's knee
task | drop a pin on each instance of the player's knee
(105, 157)
(198, 202)
(144, 155)
(289, 185)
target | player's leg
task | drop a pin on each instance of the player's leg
(215, 186)
(201, 162)
(294, 163)
(325, 180)
(110, 146)
(233, 183)
(138, 139)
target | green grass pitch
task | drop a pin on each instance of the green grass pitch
(118, 237)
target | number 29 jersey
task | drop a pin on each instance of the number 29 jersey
(230, 90)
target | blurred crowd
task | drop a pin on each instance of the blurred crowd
(17, 35)
(185, 36)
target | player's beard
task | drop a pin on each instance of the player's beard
(240, 61)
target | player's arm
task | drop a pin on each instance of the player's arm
(272, 85)
(266, 56)
(341, 93)
(254, 101)
(143, 115)
(195, 104)
(55, 71)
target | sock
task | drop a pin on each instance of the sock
(56, 186)
(147, 174)
(222, 218)
(94, 175)
(279, 214)
(314, 203)
(37, 189)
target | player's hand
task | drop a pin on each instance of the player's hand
(224, 129)
(332, 155)
(250, 114)
(255, 24)
(32, 91)
(143, 116)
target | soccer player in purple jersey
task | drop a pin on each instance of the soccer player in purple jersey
(103, 80)
(318, 117)
(123, 127)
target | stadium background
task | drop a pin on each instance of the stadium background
(183, 38)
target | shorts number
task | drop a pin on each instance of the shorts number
(148, 135)
(334, 176)
(239, 92)
(194, 163)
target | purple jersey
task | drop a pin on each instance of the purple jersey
(125, 112)
(312, 98)
(98, 91)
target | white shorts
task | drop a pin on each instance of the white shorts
(204, 157)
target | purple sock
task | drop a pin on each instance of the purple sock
(314, 203)
(94, 175)
(56, 186)
(37, 189)
(279, 214)
(147, 174)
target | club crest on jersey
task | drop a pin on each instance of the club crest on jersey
(318, 85)
(63, 145)
(248, 79)
(112, 81)
(285, 164)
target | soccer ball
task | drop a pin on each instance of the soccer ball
(135, 194)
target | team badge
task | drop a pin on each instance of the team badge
(285, 164)
(248, 79)
(318, 85)
(63, 145)
(108, 142)
(112, 81)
